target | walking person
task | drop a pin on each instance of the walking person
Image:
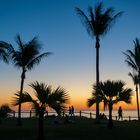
(120, 116)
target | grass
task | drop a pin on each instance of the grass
(82, 129)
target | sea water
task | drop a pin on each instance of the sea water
(127, 114)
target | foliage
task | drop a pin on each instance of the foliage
(5, 49)
(45, 96)
(133, 57)
(4, 110)
(98, 21)
(110, 91)
(27, 55)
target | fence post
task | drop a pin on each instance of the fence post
(30, 113)
(80, 113)
(90, 115)
(129, 118)
(14, 114)
(46, 113)
(63, 113)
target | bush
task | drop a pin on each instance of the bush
(5, 110)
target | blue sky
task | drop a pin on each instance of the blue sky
(60, 31)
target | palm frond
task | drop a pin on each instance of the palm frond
(21, 98)
(125, 95)
(42, 91)
(36, 60)
(91, 101)
(58, 99)
(20, 43)
(5, 51)
(134, 77)
(86, 21)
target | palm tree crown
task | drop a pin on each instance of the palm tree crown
(110, 92)
(45, 96)
(27, 55)
(98, 22)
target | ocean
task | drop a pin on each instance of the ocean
(127, 114)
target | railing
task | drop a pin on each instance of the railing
(30, 114)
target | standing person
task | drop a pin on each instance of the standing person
(72, 111)
(120, 113)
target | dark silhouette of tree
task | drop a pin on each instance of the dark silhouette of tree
(135, 79)
(133, 61)
(4, 51)
(110, 92)
(45, 96)
(26, 58)
(98, 23)
(5, 110)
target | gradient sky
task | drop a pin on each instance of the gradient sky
(60, 31)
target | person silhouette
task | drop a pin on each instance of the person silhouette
(120, 116)
(72, 110)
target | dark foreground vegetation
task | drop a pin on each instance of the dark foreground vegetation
(81, 129)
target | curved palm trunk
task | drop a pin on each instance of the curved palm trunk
(97, 76)
(137, 98)
(40, 125)
(19, 123)
(110, 122)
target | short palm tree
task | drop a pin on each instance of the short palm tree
(45, 96)
(111, 92)
(98, 23)
(26, 58)
(135, 79)
(5, 110)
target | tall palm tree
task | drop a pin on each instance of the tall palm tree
(98, 23)
(133, 59)
(26, 58)
(135, 79)
(111, 92)
(45, 96)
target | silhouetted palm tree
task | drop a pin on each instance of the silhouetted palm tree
(45, 96)
(133, 58)
(111, 92)
(98, 23)
(26, 58)
(135, 79)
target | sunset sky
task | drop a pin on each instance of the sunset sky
(60, 31)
